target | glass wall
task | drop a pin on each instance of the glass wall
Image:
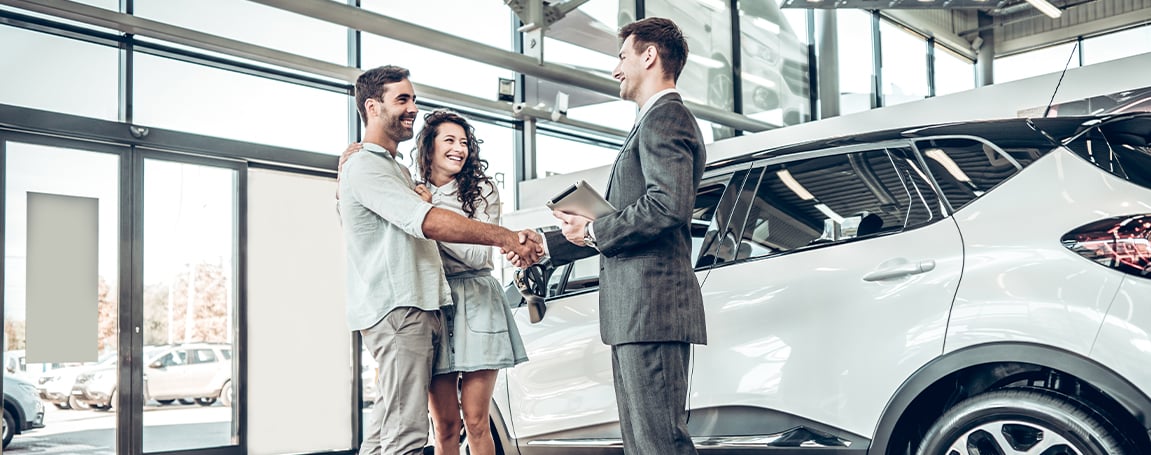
(253, 23)
(560, 155)
(1117, 45)
(707, 77)
(953, 73)
(904, 64)
(63, 390)
(190, 236)
(856, 57)
(190, 97)
(80, 79)
(774, 64)
(1034, 63)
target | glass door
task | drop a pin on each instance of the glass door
(191, 214)
(62, 275)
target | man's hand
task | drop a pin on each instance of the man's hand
(352, 148)
(422, 191)
(574, 227)
(526, 238)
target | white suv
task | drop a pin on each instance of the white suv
(966, 288)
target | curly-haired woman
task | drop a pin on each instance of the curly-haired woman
(480, 336)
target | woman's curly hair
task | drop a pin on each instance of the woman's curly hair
(471, 178)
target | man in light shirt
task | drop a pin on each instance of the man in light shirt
(396, 282)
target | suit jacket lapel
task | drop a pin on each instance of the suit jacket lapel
(626, 144)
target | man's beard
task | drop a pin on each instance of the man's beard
(398, 131)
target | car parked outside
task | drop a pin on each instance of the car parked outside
(962, 288)
(23, 410)
(196, 371)
(56, 385)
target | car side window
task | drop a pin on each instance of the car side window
(583, 274)
(833, 198)
(203, 356)
(718, 208)
(964, 168)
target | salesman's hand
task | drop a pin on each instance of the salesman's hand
(352, 148)
(573, 226)
(526, 237)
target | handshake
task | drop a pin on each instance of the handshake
(525, 250)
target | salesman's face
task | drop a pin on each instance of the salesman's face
(629, 71)
(397, 110)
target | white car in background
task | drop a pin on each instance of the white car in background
(959, 289)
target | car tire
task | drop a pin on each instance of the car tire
(75, 403)
(63, 405)
(226, 394)
(721, 94)
(186, 401)
(1027, 421)
(9, 427)
(205, 401)
(165, 402)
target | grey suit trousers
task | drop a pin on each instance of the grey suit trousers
(651, 393)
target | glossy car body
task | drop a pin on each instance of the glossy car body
(23, 410)
(886, 293)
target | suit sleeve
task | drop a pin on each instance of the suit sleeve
(668, 143)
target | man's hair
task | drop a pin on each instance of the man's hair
(371, 83)
(665, 36)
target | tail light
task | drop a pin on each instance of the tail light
(1122, 243)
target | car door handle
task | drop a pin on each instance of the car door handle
(899, 268)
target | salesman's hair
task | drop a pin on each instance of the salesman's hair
(370, 85)
(667, 39)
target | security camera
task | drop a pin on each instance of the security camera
(138, 132)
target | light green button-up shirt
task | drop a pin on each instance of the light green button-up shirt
(390, 262)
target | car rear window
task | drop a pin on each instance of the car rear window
(1119, 146)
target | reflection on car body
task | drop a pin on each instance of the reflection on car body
(879, 293)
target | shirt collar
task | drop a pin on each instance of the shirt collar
(448, 189)
(651, 102)
(380, 150)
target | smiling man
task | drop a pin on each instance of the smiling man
(396, 282)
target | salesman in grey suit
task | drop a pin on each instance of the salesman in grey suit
(650, 305)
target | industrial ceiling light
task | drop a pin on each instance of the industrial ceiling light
(1047, 8)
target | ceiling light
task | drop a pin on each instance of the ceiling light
(952, 168)
(794, 185)
(1047, 8)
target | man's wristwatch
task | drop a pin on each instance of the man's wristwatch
(588, 238)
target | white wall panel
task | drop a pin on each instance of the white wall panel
(299, 358)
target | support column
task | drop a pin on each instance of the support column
(984, 45)
(827, 45)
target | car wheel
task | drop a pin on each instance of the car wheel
(186, 401)
(75, 403)
(62, 405)
(165, 402)
(205, 401)
(226, 394)
(1021, 421)
(9, 427)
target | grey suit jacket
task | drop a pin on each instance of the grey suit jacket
(648, 290)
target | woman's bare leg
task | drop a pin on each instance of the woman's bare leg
(444, 405)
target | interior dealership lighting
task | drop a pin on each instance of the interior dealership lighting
(829, 213)
(952, 168)
(794, 185)
(758, 80)
(1047, 8)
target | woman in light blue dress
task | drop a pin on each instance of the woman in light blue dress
(480, 336)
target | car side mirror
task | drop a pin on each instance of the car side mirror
(156, 364)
